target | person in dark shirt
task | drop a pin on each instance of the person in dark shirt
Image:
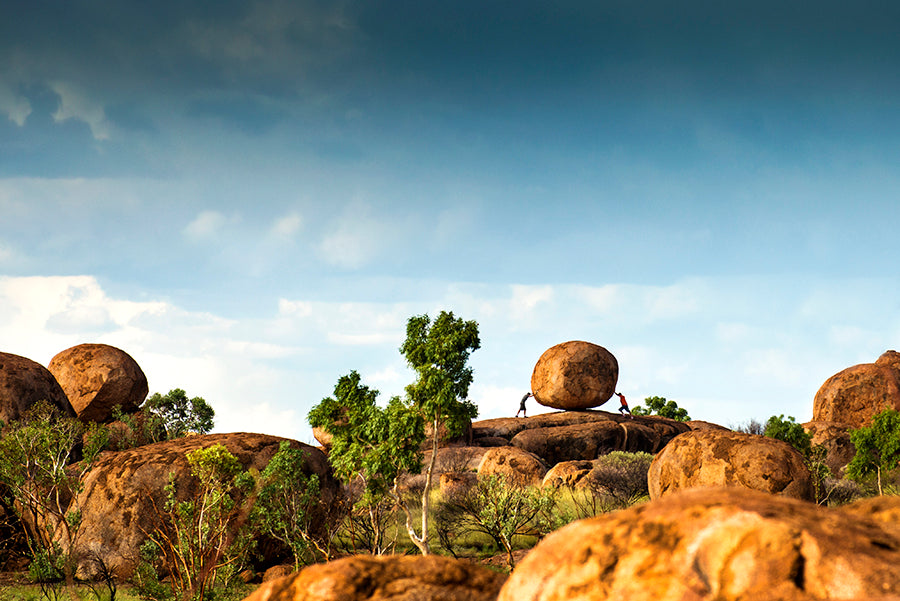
(522, 405)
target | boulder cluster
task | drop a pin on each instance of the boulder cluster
(124, 490)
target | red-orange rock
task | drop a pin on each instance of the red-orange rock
(575, 375)
(835, 439)
(518, 467)
(854, 395)
(124, 491)
(710, 458)
(567, 473)
(386, 578)
(891, 358)
(97, 377)
(23, 383)
(725, 544)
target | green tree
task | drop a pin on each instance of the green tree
(42, 480)
(287, 503)
(790, 432)
(370, 443)
(877, 447)
(178, 415)
(439, 352)
(660, 406)
(200, 539)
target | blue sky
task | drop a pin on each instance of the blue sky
(251, 198)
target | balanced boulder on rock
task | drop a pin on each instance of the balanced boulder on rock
(709, 458)
(23, 383)
(575, 375)
(97, 377)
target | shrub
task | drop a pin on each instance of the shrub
(621, 477)
(660, 406)
(877, 447)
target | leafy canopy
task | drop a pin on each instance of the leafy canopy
(790, 432)
(439, 353)
(660, 406)
(368, 441)
(179, 414)
(877, 446)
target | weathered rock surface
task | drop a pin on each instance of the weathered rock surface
(123, 490)
(835, 438)
(853, 396)
(457, 459)
(518, 467)
(723, 544)
(386, 578)
(708, 458)
(455, 484)
(696, 424)
(97, 377)
(322, 437)
(574, 375)
(23, 383)
(891, 358)
(590, 440)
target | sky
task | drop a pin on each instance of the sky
(251, 198)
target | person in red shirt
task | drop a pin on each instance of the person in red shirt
(624, 406)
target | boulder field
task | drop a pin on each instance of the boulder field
(715, 544)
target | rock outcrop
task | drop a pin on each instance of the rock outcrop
(124, 491)
(96, 378)
(709, 458)
(891, 358)
(723, 544)
(23, 383)
(574, 375)
(518, 467)
(567, 473)
(835, 439)
(386, 578)
(853, 396)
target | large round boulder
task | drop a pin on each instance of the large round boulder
(853, 396)
(722, 544)
(891, 358)
(575, 375)
(386, 578)
(96, 378)
(517, 467)
(23, 383)
(710, 458)
(124, 491)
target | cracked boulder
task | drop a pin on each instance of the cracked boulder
(709, 458)
(23, 383)
(853, 396)
(722, 544)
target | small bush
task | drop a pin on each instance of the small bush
(621, 476)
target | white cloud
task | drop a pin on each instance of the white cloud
(288, 225)
(16, 106)
(526, 301)
(356, 238)
(207, 224)
(75, 104)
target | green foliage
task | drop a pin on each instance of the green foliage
(621, 477)
(499, 510)
(288, 503)
(439, 353)
(790, 432)
(370, 443)
(199, 542)
(41, 484)
(179, 415)
(877, 447)
(660, 406)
